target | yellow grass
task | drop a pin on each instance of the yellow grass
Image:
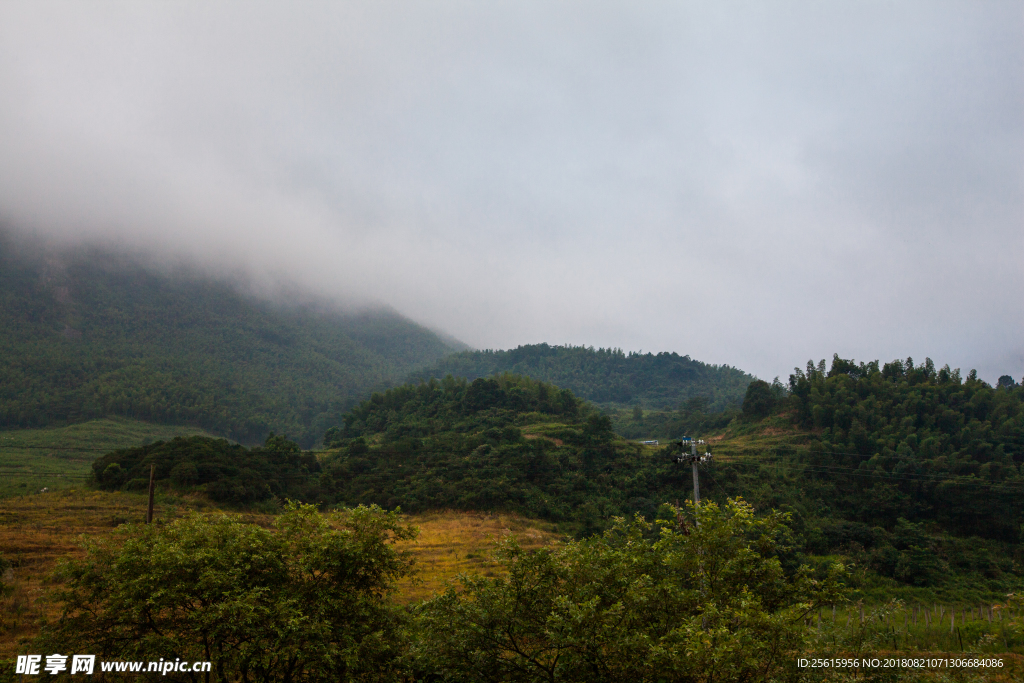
(37, 530)
(454, 542)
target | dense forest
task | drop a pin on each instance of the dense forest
(226, 472)
(899, 462)
(911, 471)
(915, 469)
(607, 377)
(89, 334)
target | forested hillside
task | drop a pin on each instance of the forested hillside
(910, 449)
(88, 334)
(606, 376)
(911, 472)
(503, 443)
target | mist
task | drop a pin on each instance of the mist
(754, 184)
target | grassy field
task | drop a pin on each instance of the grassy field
(59, 457)
(37, 530)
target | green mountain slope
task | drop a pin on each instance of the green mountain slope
(89, 334)
(606, 376)
(910, 472)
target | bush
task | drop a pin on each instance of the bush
(305, 601)
(680, 603)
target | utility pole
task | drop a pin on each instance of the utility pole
(694, 459)
(152, 485)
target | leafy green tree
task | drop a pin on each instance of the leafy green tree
(690, 602)
(759, 399)
(306, 601)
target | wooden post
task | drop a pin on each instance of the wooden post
(152, 486)
(952, 621)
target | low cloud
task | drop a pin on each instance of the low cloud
(749, 184)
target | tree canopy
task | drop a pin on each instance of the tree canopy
(308, 600)
(228, 473)
(608, 377)
(700, 597)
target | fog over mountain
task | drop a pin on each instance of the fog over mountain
(747, 183)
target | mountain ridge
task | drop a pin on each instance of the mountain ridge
(91, 333)
(607, 377)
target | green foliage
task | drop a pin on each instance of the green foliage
(704, 602)
(606, 376)
(89, 335)
(503, 443)
(892, 499)
(306, 601)
(925, 445)
(693, 417)
(228, 473)
(414, 411)
(759, 400)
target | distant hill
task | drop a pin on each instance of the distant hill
(606, 376)
(909, 471)
(88, 334)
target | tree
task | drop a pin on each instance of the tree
(707, 602)
(759, 399)
(306, 601)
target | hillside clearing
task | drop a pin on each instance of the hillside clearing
(60, 457)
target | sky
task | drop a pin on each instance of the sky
(749, 183)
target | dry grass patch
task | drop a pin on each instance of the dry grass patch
(36, 531)
(451, 543)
